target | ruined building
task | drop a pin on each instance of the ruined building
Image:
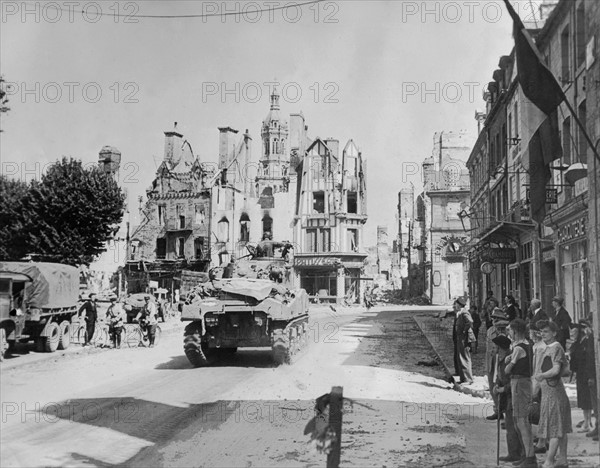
(300, 190)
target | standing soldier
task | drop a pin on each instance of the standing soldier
(148, 319)
(115, 317)
(91, 315)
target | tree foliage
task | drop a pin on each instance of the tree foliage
(68, 216)
(12, 234)
(3, 99)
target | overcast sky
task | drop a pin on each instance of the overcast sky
(363, 68)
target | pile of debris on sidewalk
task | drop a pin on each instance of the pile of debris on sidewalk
(397, 296)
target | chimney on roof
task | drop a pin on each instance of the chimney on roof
(172, 144)
(226, 142)
(334, 146)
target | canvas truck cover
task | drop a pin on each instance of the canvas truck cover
(53, 285)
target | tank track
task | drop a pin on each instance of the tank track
(197, 353)
(290, 341)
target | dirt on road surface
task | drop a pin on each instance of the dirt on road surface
(148, 407)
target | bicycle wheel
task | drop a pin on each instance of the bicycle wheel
(101, 338)
(81, 333)
(157, 336)
(133, 337)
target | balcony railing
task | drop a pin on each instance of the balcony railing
(172, 225)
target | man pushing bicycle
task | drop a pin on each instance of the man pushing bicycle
(148, 319)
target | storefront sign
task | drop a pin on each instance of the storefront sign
(498, 255)
(551, 195)
(316, 261)
(572, 230)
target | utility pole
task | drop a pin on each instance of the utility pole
(409, 249)
(594, 257)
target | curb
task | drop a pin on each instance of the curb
(457, 386)
(66, 354)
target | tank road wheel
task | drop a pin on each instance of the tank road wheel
(197, 352)
(281, 347)
(52, 337)
(65, 335)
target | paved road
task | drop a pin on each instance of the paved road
(148, 407)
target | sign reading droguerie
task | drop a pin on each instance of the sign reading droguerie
(498, 255)
(315, 261)
(572, 230)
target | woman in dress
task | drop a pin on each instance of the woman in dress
(555, 410)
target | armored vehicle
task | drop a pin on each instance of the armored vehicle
(249, 306)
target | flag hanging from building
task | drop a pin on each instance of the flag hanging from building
(545, 93)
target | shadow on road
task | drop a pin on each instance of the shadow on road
(145, 420)
(248, 358)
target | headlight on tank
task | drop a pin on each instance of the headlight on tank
(258, 321)
(211, 321)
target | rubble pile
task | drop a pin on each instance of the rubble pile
(397, 296)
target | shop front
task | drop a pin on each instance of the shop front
(503, 261)
(335, 278)
(572, 269)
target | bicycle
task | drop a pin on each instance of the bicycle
(100, 339)
(135, 336)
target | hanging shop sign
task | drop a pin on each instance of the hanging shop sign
(551, 195)
(498, 255)
(487, 267)
(572, 230)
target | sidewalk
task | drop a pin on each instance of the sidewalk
(439, 334)
(27, 355)
(582, 450)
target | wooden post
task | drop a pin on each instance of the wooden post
(335, 423)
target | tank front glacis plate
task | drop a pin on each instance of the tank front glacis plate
(196, 310)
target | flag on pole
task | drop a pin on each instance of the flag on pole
(545, 93)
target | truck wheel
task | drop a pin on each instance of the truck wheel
(52, 338)
(65, 335)
(281, 347)
(3, 343)
(197, 352)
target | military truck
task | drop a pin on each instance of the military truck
(254, 308)
(37, 303)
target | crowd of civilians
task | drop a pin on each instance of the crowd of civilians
(528, 353)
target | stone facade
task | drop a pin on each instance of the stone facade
(446, 190)
(555, 256)
(592, 29)
(329, 219)
(174, 232)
